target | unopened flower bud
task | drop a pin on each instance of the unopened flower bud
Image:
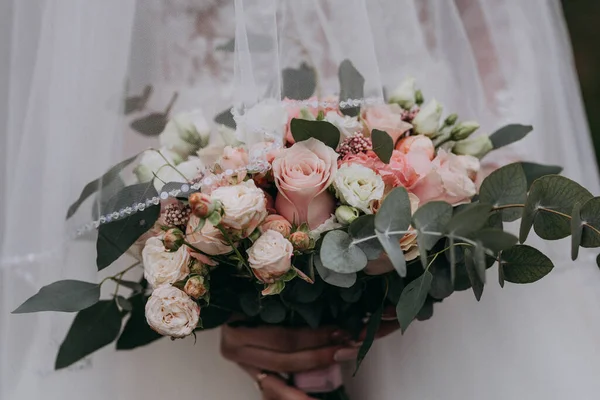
(477, 146)
(173, 239)
(346, 214)
(404, 95)
(300, 240)
(450, 119)
(419, 97)
(195, 287)
(427, 121)
(199, 268)
(464, 130)
(201, 204)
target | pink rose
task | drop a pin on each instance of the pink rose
(302, 175)
(209, 239)
(388, 118)
(233, 158)
(450, 179)
(276, 223)
(416, 144)
(398, 172)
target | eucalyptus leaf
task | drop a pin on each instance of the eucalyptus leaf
(303, 292)
(225, 118)
(412, 299)
(426, 311)
(151, 125)
(469, 220)
(310, 313)
(299, 83)
(92, 329)
(340, 255)
(65, 296)
(250, 303)
(135, 286)
(509, 134)
(334, 278)
(272, 311)
(395, 287)
(98, 184)
(372, 328)
(137, 103)
(590, 214)
(534, 171)
(394, 213)
(549, 205)
(431, 217)
(137, 332)
(495, 240)
(503, 187)
(391, 245)
(116, 237)
(524, 264)
(383, 145)
(576, 230)
(441, 284)
(351, 86)
(123, 303)
(364, 227)
(324, 131)
(352, 294)
(474, 276)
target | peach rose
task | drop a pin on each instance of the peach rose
(270, 257)
(386, 117)
(276, 223)
(398, 172)
(208, 239)
(450, 179)
(233, 158)
(416, 144)
(302, 175)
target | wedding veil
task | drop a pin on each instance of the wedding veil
(63, 74)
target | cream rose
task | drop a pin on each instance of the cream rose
(244, 206)
(270, 257)
(171, 312)
(162, 266)
(358, 186)
(302, 175)
(208, 239)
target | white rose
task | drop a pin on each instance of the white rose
(162, 266)
(183, 172)
(152, 161)
(358, 186)
(427, 120)
(348, 126)
(404, 94)
(329, 225)
(270, 257)
(185, 133)
(477, 146)
(265, 120)
(208, 239)
(171, 312)
(244, 206)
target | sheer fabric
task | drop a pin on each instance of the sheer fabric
(497, 61)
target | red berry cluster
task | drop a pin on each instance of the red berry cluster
(355, 144)
(177, 214)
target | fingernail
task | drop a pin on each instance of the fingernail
(343, 355)
(340, 336)
(354, 343)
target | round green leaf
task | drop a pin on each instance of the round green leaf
(548, 207)
(395, 213)
(250, 303)
(65, 296)
(509, 134)
(272, 311)
(495, 240)
(124, 303)
(363, 227)
(590, 214)
(383, 145)
(535, 171)
(412, 299)
(137, 332)
(470, 219)
(473, 268)
(524, 264)
(431, 217)
(505, 186)
(340, 255)
(391, 245)
(441, 284)
(334, 278)
(324, 131)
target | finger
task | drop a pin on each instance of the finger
(287, 340)
(305, 360)
(274, 388)
(385, 328)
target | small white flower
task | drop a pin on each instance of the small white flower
(477, 146)
(427, 120)
(266, 120)
(358, 186)
(162, 266)
(183, 172)
(404, 94)
(185, 133)
(329, 225)
(152, 161)
(171, 312)
(270, 257)
(347, 125)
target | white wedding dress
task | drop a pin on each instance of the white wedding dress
(497, 61)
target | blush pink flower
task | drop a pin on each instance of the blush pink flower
(398, 172)
(416, 144)
(302, 175)
(233, 158)
(388, 118)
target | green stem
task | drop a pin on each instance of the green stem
(235, 249)
(120, 274)
(170, 165)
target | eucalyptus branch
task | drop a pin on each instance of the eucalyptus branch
(120, 274)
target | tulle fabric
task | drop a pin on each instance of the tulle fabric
(497, 61)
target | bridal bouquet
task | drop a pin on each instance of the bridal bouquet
(329, 213)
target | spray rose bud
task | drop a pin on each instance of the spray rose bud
(201, 204)
(404, 95)
(450, 119)
(199, 268)
(477, 146)
(419, 97)
(277, 223)
(195, 287)
(427, 121)
(464, 130)
(346, 214)
(173, 239)
(300, 240)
